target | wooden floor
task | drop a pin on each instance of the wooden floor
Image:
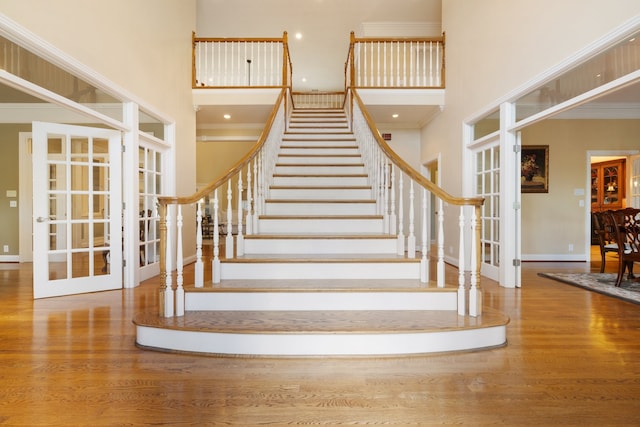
(573, 359)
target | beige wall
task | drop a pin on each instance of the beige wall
(215, 158)
(554, 220)
(496, 46)
(9, 181)
(143, 46)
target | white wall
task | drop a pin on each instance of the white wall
(143, 46)
(496, 46)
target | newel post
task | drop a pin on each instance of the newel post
(475, 292)
(352, 67)
(285, 57)
(165, 303)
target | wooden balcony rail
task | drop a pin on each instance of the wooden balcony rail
(240, 62)
(318, 99)
(396, 63)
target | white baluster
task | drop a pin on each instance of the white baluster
(475, 293)
(440, 236)
(229, 240)
(215, 263)
(393, 217)
(249, 219)
(385, 195)
(411, 240)
(462, 308)
(179, 265)
(424, 261)
(240, 237)
(400, 245)
(199, 266)
(168, 291)
(255, 195)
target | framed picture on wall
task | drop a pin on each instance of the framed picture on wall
(534, 169)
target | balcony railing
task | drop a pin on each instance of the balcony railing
(395, 63)
(240, 62)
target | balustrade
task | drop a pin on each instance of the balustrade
(402, 194)
(240, 62)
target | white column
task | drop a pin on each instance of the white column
(229, 239)
(440, 244)
(215, 263)
(199, 266)
(400, 244)
(179, 265)
(411, 240)
(424, 261)
(168, 291)
(462, 307)
(240, 237)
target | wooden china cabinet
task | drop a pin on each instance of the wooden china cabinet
(607, 185)
(607, 188)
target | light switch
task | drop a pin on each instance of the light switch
(12, 193)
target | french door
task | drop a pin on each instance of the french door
(77, 210)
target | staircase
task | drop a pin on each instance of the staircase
(319, 276)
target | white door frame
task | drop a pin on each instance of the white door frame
(104, 239)
(25, 197)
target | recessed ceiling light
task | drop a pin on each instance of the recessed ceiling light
(395, 116)
(227, 116)
(298, 36)
(304, 79)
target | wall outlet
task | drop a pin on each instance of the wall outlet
(570, 247)
(6, 248)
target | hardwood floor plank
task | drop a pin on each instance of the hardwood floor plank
(572, 359)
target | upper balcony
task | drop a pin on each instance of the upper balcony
(243, 77)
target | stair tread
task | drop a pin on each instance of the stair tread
(320, 175)
(320, 258)
(322, 322)
(322, 236)
(316, 217)
(323, 285)
(313, 165)
(315, 200)
(324, 187)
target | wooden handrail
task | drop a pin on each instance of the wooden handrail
(397, 39)
(240, 39)
(166, 200)
(410, 171)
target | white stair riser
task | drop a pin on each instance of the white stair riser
(314, 301)
(320, 181)
(308, 246)
(320, 208)
(317, 120)
(319, 160)
(319, 226)
(316, 131)
(326, 142)
(320, 194)
(324, 270)
(320, 344)
(319, 151)
(319, 127)
(319, 169)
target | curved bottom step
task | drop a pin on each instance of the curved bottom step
(327, 333)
